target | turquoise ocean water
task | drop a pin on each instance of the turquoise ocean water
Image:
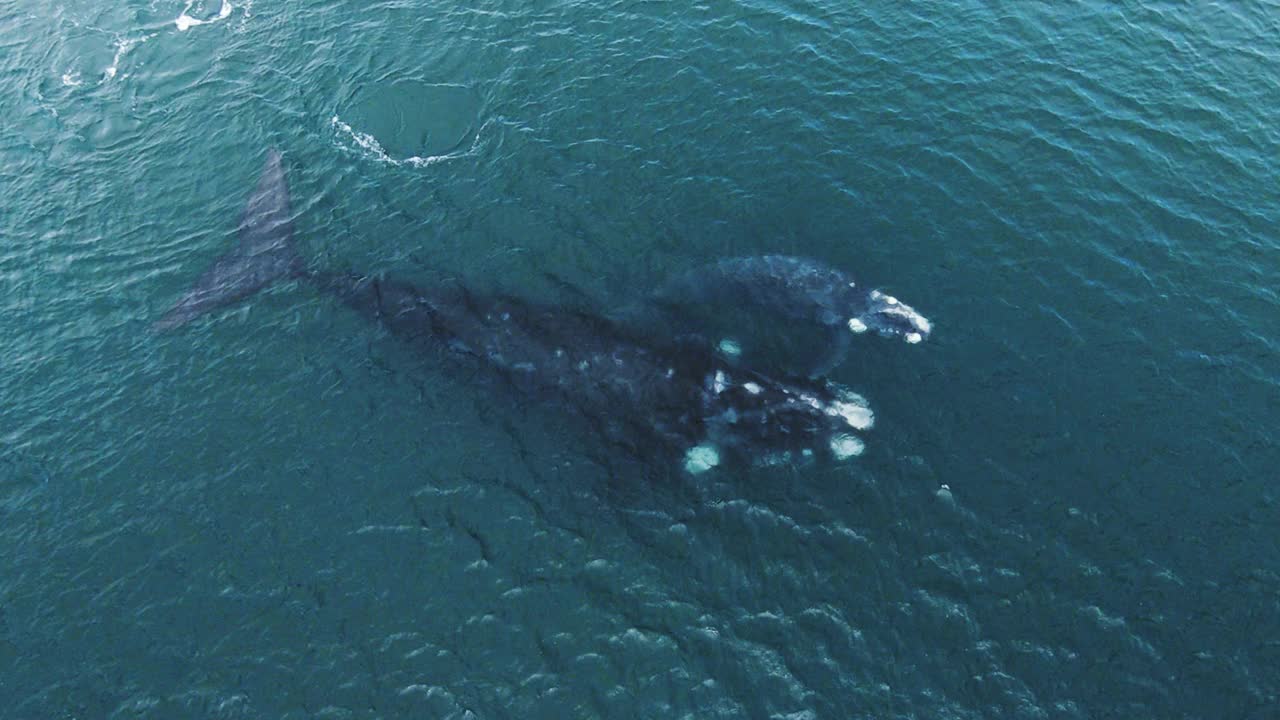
(278, 512)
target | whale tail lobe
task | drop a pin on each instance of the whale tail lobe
(264, 254)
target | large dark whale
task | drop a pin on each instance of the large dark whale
(661, 398)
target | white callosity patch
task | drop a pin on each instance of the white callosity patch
(844, 447)
(894, 307)
(701, 458)
(729, 348)
(721, 382)
(752, 388)
(849, 405)
(922, 322)
(916, 320)
(858, 417)
(856, 325)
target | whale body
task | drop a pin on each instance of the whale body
(660, 398)
(797, 289)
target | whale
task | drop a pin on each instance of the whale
(673, 400)
(794, 289)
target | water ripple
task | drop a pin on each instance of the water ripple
(278, 513)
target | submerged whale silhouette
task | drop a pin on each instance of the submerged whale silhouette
(661, 399)
(793, 289)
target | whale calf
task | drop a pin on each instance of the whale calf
(799, 289)
(660, 398)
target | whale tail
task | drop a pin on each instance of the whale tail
(264, 254)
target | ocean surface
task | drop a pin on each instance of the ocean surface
(280, 512)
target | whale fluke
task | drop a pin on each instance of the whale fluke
(264, 254)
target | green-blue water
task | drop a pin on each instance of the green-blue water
(281, 513)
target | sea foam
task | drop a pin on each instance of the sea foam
(186, 22)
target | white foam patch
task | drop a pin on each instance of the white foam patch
(858, 417)
(71, 79)
(844, 447)
(186, 22)
(914, 338)
(721, 382)
(701, 458)
(752, 388)
(364, 141)
(122, 47)
(729, 347)
(370, 147)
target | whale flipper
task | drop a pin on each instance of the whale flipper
(265, 253)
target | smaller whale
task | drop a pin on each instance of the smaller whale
(795, 289)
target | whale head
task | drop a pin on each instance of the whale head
(761, 421)
(889, 317)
